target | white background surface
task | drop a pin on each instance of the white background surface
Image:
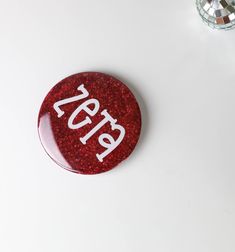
(176, 192)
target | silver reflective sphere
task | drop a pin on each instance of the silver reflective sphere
(219, 14)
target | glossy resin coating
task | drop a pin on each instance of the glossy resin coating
(89, 123)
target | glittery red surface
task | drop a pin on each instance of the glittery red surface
(63, 144)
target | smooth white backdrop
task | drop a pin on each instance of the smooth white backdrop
(176, 193)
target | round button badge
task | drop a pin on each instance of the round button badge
(89, 123)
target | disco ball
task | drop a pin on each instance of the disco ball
(218, 14)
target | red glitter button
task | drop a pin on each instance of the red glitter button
(89, 123)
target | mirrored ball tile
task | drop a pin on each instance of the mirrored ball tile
(218, 14)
